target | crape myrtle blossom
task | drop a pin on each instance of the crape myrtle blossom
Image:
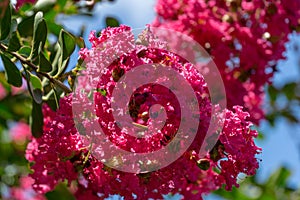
(24, 191)
(20, 132)
(2, 92)
(62, 153)
(245, 39)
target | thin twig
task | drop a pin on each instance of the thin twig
(35, 68)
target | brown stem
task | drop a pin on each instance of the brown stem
(35, 68)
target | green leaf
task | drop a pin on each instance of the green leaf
(278, 178)
(13, 26)
(289, 90)
(54, 58)
(5, 23)
(203, 164)
(44, 65)
(25, 51)
(14, 42)
(283, 177)
(25, 28)
(62, 3)
(67, 43)
(35, 82)
(273, 92)
(271, 118)
(35, 87)
(36, 119)
(111, 22)
(60, 191)
(13, 75)
(39, 34)
(52, 99)
(260, 135)
(54, 28)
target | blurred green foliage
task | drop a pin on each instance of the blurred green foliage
(274, 188)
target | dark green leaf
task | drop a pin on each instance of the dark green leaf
(14, 42)
(273, 92)
(25, 28)
(67, 43)
(271, 118)
(112, 22)
(289, 90)
(203, 164)
(60, 191)
(35, 87)
(25, 51)
(5, 23)
(52, 99)
(54, 58)
(13, 26)
(44, 65)
(36, 119)
(13, 74)
(39, 34)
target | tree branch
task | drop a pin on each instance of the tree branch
(35, 68)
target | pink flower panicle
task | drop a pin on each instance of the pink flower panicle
(245, 38)
(51, 153)
(20, 133)
(62, 153)
(24, 191)
(3, 92)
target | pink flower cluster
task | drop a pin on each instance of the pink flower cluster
(24, 191)
(3, 92)
(20, 133)
(61, 153)
(51, 153)
(245, 38)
